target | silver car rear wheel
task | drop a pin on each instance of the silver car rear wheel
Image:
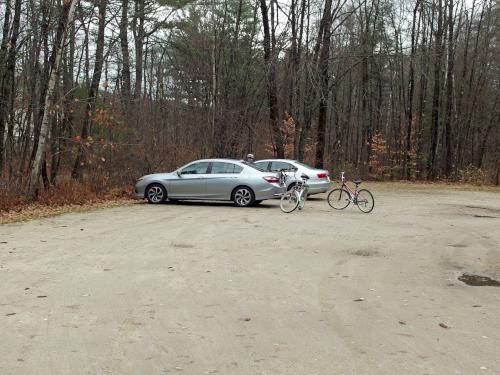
(243, 196)
(156, 193)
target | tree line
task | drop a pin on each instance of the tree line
(103, 91)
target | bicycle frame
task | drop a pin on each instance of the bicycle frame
(354, 193)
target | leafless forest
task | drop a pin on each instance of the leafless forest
(96, 93)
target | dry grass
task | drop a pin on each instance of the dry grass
(67, 196)
(37, 210)
(439, 185)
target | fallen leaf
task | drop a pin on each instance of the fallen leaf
(360, 299)
(442, 325)
(402, 322)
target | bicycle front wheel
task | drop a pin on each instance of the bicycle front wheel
(303, 198)
(365, 201)
(289, 201)
(339, 199)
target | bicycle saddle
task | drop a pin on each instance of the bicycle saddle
(304, 176)
(357, 182)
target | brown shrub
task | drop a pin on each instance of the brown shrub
(9, 198)
(472, 175)
(67, 192)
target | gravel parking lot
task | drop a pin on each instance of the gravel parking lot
(209, 288)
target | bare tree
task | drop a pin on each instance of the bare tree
(66, 17)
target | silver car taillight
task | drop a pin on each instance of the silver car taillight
(272, 179)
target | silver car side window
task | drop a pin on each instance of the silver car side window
(219, 167)
(276, 166)
(262, 165)
(196, 168)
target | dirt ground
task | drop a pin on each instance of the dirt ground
(199, 288)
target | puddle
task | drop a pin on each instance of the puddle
(496, 210)
(476, 280)
(182, 245)
(365, 253)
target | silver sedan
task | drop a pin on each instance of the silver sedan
(211, 179)
(319, 179)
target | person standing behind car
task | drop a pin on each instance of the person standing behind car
(250, 159)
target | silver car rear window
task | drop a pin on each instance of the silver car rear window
(256, 167)
(304, 164)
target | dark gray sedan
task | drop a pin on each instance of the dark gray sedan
(211, 179)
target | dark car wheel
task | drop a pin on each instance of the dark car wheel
(243, 196)
(156, 193)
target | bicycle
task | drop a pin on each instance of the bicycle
(340, 198)
(296, 197)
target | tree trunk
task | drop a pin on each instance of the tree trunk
(324, 82)
(80, 161)
(436, 97)
(448, 147)
(7, 85)
(126, 85)
(139, 35)
(411, 90)
(269, 59)
(66, 18)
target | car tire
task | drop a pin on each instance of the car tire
(243, 196)
(156, 193)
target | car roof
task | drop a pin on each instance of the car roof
(286, 160)
(291, 161)
(218, 159)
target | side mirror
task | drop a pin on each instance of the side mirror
(179, 173)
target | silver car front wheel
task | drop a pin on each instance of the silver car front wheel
(243, 196)
(156, 193)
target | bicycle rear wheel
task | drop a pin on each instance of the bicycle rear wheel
(339, 199)
(365, 201)
(289, 201)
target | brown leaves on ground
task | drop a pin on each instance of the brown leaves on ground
(67, 196)
(37, 210)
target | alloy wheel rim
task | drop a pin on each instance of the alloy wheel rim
(243, 197)
(155, 194)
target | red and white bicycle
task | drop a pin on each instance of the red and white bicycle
(341, 197)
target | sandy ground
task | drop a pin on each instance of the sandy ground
(199, 288)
